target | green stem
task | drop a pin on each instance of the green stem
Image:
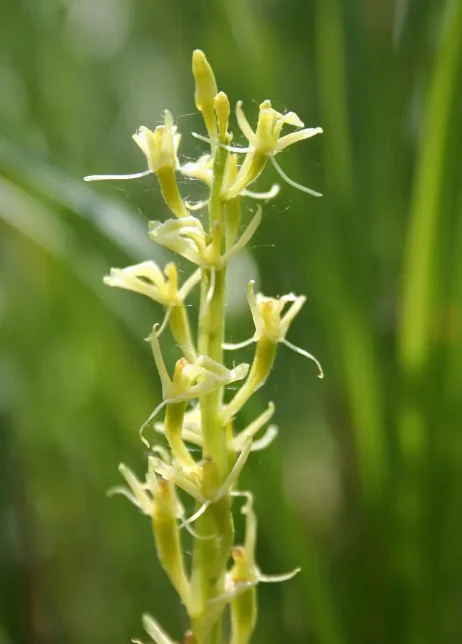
(210, 556)
(212, 328)
(211, 338)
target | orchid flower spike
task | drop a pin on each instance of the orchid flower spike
(202, 451)
(265, 143)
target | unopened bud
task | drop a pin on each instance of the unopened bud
(206, 90)
(222, 111)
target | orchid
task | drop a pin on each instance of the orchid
(198, 448)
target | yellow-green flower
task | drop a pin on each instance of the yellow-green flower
(160, 147)
(265, 143)
(272, 323)
(148, 279)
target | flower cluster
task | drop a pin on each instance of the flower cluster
(196, 413)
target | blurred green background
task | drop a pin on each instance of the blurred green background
(363, 487)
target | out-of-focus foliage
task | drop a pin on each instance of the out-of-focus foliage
(363, 488)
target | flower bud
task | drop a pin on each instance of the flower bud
(206, 90)
(222, 111)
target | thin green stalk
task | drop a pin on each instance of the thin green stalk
(212, 329)
(211, 337)
(210, 556)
